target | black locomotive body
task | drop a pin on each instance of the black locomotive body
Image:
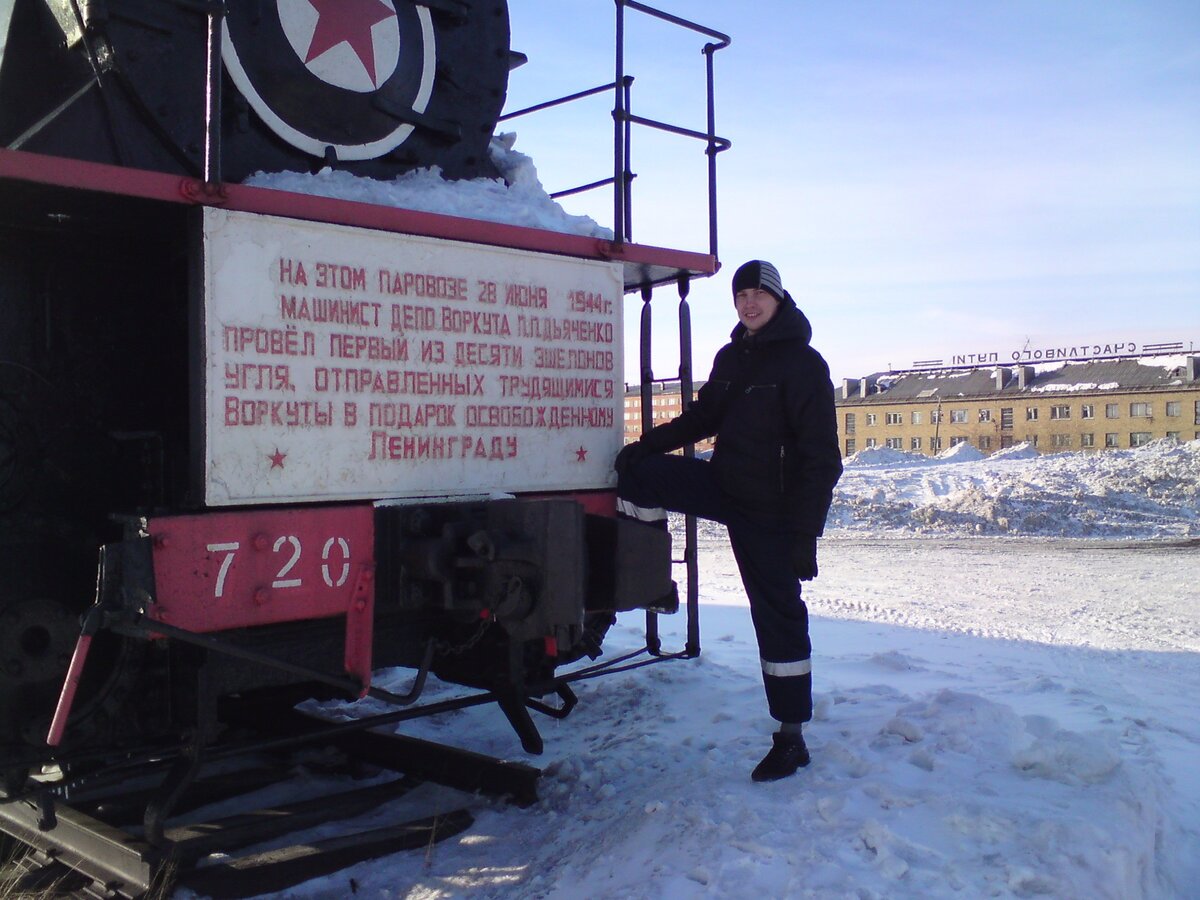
(126, 126)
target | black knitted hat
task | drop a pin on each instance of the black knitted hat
(759, 273)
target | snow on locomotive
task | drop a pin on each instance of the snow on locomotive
(306, 438)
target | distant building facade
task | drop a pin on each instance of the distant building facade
(1090, 405)
(667, 402)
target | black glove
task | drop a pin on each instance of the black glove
(629, 455)
(804, 557)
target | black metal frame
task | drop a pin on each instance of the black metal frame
(686, 390)
(623, 118)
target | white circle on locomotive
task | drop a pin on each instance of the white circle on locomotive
(362, 65)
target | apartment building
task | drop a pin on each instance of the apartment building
(1091, 405)
(667, 401)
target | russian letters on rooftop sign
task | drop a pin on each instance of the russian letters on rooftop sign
(342, 363)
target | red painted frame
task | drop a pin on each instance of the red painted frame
(220, 571)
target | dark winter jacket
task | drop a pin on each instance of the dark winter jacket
(769, 401)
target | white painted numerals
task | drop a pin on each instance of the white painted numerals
(230, 549)
(344, 549)
(335, 562)
(280, 581)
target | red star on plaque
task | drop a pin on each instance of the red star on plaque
(276, 459)
(348, 21)
(581, 455)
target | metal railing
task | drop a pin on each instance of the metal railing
(624, 118)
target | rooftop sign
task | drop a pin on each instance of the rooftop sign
(1083, 352)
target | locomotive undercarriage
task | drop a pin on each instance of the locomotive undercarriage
(488, 596)
(467, 591)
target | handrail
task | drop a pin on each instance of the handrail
(578, 95)
(624, 118)
(676, 20)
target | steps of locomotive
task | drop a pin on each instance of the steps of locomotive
(94, 845)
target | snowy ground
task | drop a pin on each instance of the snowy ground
(997, 715)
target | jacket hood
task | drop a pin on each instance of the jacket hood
(788, 324)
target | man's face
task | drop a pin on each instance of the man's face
(755, 308)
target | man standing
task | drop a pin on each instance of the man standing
(769, 401)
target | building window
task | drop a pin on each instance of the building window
(850, 444)
(985, 415)
(985, 442)
(894, 418)
(1005, 441)
(935, 444)
(1112, 410)
(1139, 410)
(1110, 439)
(1174, 408)
(914, 444)
(1060, 412)
(1197, 420)
(1138, 438)
(955, 441)
(935, 417)
(1172, 435)
(1031, 440)
(1061, 440)
(1088, 412)
(1087, 440)
(870, 443)
(1006, 418)
(872, 419)
(916, 418)
(958, 416)
(850, 425)
(895, 443)
(1031, 414)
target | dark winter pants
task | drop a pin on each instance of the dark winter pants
(763, 552)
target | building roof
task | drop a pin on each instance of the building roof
(666, 386)
(1096, 376)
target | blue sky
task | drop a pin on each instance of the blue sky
(931, 178)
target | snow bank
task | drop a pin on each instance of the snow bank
(1150, 492)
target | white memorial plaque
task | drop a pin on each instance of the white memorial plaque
(343, 363)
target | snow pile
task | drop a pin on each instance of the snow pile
(1081, 386)
(516, 199)
(963, 452)
(1017, 451)
(1152, 491)
(884, 456)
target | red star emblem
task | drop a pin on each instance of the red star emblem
(581, 455)
(348, 21)
(276, 459)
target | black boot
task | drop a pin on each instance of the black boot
(787, 755)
